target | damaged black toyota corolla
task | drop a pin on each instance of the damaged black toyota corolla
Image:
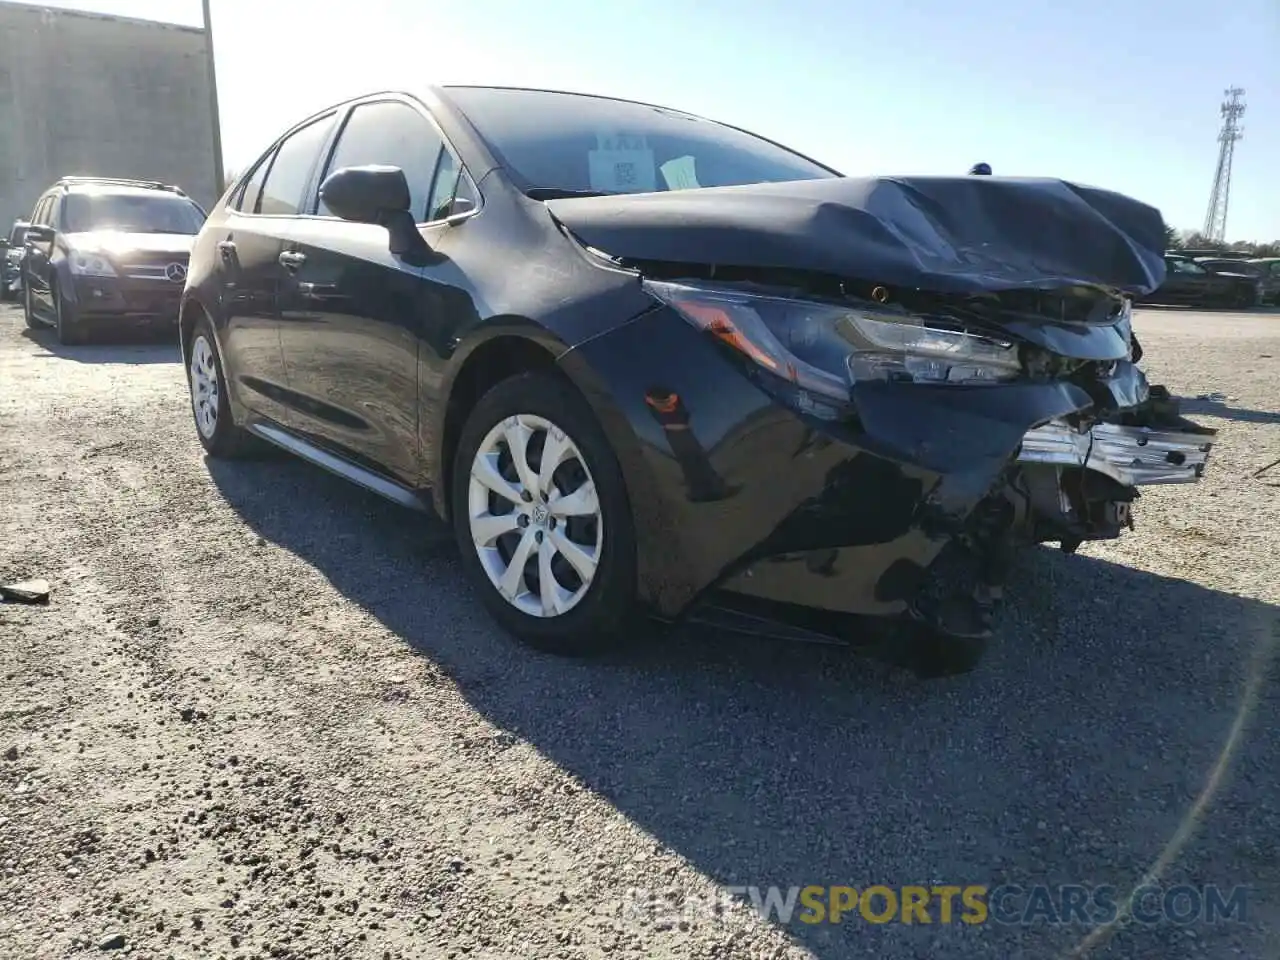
(645, 362)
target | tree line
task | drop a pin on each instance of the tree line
(1194, 240)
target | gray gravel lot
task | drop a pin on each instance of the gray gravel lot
(264, 717)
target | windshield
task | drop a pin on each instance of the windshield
(565, 144)
(131, 213)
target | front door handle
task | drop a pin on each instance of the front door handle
(227, 248)
(292, 259)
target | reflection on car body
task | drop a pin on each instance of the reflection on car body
(643, 361)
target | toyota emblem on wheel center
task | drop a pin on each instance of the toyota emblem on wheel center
(177, 272)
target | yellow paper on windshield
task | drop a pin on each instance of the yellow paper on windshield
(680, 174)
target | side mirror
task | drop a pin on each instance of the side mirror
(40, 233)
(375, 194)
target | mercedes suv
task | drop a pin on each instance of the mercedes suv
(107, 254)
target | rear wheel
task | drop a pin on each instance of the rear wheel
(219, 434)
(542, 518)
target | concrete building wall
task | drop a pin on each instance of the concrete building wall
(103, 96)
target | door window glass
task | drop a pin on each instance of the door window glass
(394, 134)
(286, 182)
(247, 202)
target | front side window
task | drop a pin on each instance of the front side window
(395, 134)
(1186, 266)
(286, 181)
(131, 213)
(569, 143)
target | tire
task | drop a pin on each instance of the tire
(578, 616)
(219, 434)
(66, 323)
(28, 314)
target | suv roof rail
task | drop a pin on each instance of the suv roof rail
(121, 182)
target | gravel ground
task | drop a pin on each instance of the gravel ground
(264, 717)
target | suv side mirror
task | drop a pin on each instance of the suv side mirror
(375, 193)
(40, 233)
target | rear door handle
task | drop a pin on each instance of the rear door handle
(292, 259)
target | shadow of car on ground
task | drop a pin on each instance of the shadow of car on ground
(1071, 756)
(112, 347)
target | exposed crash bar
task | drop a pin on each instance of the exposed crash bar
(1130, 455)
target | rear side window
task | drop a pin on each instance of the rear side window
(393, 133)
(291, 168)
(247, 202)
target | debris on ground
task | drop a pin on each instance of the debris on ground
(25, 591)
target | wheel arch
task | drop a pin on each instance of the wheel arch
(517, 348)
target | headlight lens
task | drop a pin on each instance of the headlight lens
(825, 348)
(91, 265)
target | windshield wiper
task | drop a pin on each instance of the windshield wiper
(556, 193)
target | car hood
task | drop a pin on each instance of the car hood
(944, 234)
(117, 243)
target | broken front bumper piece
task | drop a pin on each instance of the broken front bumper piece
(1133, 456)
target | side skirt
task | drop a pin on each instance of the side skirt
(341, 467)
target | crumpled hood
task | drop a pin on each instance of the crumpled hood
(116, 243)
(945, 234)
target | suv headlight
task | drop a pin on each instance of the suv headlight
(91, 265)
(825, 348)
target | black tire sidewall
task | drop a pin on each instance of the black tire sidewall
(65, 322)
(605, 617)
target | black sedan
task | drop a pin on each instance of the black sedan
(646, 363)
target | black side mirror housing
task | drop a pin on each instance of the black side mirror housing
(379, 194)
(40, 233)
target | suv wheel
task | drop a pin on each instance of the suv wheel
(28, 309)
(219, 434)
(66, 321)
(541, 515)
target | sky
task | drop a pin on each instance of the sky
(1121, 94)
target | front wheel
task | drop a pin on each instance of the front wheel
(66, 319)
(29, 309)
(541, 515)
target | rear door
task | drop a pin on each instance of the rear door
(249, 242)
(353, 312)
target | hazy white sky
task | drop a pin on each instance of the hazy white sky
(1119, 93)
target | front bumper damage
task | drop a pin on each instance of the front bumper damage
(1133, 456)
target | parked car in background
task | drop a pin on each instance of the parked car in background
(644, 361)
(1268, 286)
(1191, 283)
(1271, 269)
(107, 254)
(11, 262)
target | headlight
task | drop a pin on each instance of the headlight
(91, 265)
(825, 348)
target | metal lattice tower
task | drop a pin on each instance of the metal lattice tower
(1215, 220)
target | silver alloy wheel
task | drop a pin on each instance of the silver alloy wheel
(535, 518)
(204, 387)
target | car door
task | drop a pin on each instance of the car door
(249, 241)
(354, 313)
(38, 257)
(1186, 281)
